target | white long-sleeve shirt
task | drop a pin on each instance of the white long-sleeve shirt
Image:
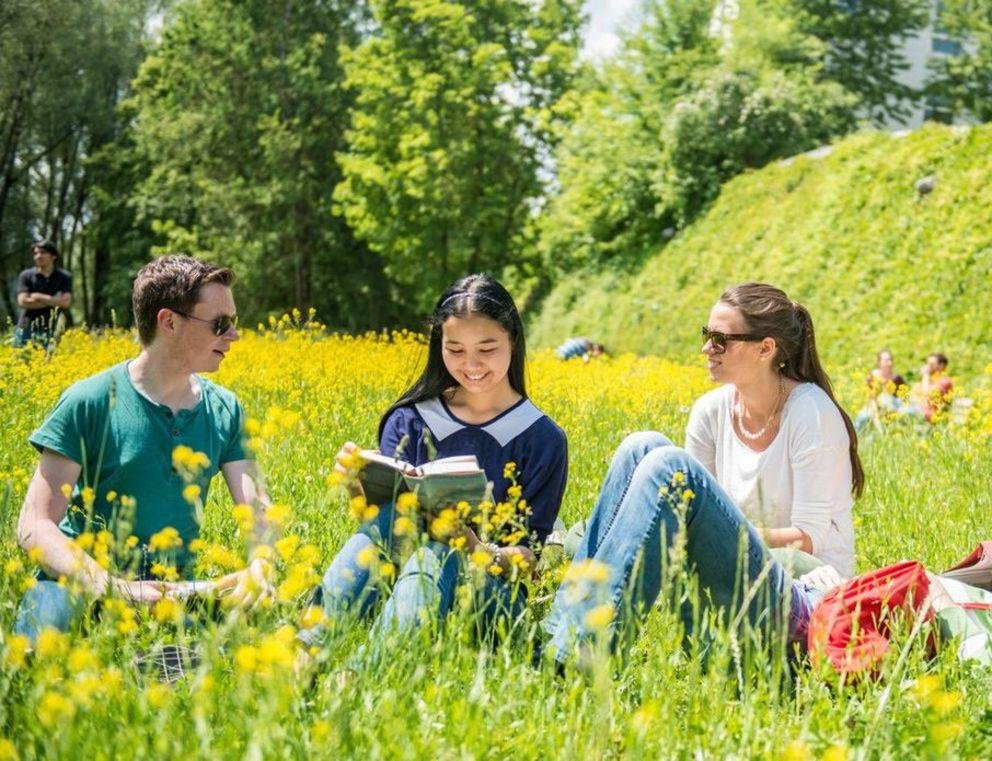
(802, 479)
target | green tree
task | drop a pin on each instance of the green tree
(238, 113)
(456, 107)
(695, 97)
(65, 66)
(964, 82)
(610, 153)
(863, 47)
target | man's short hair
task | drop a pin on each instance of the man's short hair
(47, 246)
(171, 282)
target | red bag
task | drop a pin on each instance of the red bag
(849, 626)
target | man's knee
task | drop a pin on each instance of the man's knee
(46, 605)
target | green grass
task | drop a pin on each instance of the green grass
(442, 695)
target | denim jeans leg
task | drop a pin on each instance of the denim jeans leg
(21, 336)
(625, 460)
(47, 604)
(716, 532)
(424, 591)
(347, 586)
(499, 604)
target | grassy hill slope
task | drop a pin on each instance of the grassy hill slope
(847, 234)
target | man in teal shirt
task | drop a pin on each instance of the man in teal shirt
(132, 451)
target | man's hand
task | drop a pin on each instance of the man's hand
(140, 592)
(250, 586)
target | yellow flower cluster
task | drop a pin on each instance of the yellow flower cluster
(273, 655)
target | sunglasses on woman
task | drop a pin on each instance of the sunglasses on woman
(719, 340)
(220, 325)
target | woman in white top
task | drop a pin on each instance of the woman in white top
(770, 456)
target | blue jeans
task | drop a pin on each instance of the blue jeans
(47, 604)
(424, 590)
(629, 526)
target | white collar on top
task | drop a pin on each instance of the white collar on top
(505, 428)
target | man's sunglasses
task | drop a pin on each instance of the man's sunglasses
(719, 340)
(220, 325)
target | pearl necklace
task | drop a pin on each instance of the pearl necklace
(739, 413)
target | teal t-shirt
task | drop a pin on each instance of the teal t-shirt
(124, 442)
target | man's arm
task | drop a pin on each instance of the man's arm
(244, 481)
(40, 300)
(37, 528)
(35, 300)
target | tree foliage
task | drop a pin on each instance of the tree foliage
(64, 67)
(697, 95)
(238, 113)
(863, 47)
(964, 82)
(456, 104)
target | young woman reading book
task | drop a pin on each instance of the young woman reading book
(769, 455)
(470, 399)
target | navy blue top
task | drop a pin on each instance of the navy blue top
(522, 434)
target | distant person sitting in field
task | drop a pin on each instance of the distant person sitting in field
(886, 391)
(122, 449)
(932, 394)
(579, 347)
(44, 292)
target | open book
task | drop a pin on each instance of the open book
(976, 569)
(436, 484)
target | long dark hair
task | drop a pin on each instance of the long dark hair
(767, 311)
(475, 294)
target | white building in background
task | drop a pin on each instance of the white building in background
(931, 42)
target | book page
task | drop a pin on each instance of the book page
(372, 457)
(460, 464)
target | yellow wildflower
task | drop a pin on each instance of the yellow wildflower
(244, 516)
(165, 540)
(600, 616)
(8, 751)
(246, 658)
(51, 643)
(403, 526)
(406, 502)
(17, 648)
(311, 616)
(81, 658)
(168, 611)
(367, 556)
(278, 515)
(588, 570)
(54, 709)
(480, 559)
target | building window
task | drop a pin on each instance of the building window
(946, 46)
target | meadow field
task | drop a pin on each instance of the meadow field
(446, 696)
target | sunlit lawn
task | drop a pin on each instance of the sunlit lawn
(444, 695)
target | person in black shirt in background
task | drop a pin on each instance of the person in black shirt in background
(42, 292)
